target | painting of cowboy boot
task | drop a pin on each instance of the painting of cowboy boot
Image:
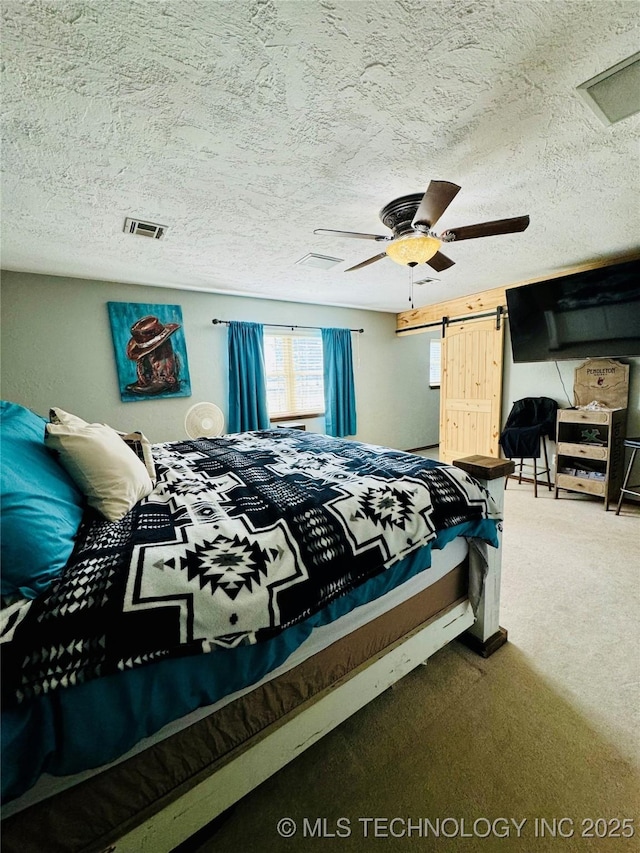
(150, 348)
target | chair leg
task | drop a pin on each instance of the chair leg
(626, 479)
(520, 472)
(546, 460)
(535, 477)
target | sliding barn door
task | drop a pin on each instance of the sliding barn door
(471, 389)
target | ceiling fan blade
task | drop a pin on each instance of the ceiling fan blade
(489, 229)
(440, 262)
(435, 201)
(351, 234)
(367, 262)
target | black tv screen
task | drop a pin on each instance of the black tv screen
(590, 314)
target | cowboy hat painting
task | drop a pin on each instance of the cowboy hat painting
(150, 349)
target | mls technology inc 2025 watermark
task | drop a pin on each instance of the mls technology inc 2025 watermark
(455, 827)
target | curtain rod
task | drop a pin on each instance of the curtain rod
(283, 326)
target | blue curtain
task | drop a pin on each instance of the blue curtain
(247, 387)
(339, 391)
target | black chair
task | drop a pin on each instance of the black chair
(531, 420)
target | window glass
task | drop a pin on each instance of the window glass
(293, 366)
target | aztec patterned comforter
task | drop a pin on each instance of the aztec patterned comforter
(242, 537)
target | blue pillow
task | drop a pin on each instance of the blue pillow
(41, 505)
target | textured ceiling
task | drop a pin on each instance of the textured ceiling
(242, 126)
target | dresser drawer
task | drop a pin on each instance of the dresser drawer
(581, 451)
(580, 416)
(580, 484)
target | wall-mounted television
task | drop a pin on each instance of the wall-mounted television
(589, 314)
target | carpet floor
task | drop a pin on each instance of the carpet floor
(534, 749)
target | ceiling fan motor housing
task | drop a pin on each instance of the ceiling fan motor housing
(399, 213)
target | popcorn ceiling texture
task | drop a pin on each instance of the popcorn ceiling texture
(245, 125)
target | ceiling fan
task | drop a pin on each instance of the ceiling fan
(411, 219)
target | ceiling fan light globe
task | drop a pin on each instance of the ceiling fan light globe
(413, 248)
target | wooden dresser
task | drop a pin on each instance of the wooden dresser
(590, 441)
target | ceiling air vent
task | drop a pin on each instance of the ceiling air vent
(144, 229)
(321, 262)
(615, 93)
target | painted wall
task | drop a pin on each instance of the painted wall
(57, 350)
(555, 380)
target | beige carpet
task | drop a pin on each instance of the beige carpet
(546, 728)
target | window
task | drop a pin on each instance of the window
(435, 354)
(294, 374)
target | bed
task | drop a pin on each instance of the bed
(265, 587)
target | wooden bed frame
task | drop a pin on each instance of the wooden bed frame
(269, 751)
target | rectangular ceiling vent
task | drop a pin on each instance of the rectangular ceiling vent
(321, 262)
(615, 93)
(144, 229)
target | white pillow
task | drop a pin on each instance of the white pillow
(137, 441)
(104, 468)
(59, 416)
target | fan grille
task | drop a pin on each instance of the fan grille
(204, 420)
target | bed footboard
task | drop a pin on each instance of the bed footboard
(486, 635)
(288, 738)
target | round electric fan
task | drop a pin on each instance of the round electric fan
(204, 420)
